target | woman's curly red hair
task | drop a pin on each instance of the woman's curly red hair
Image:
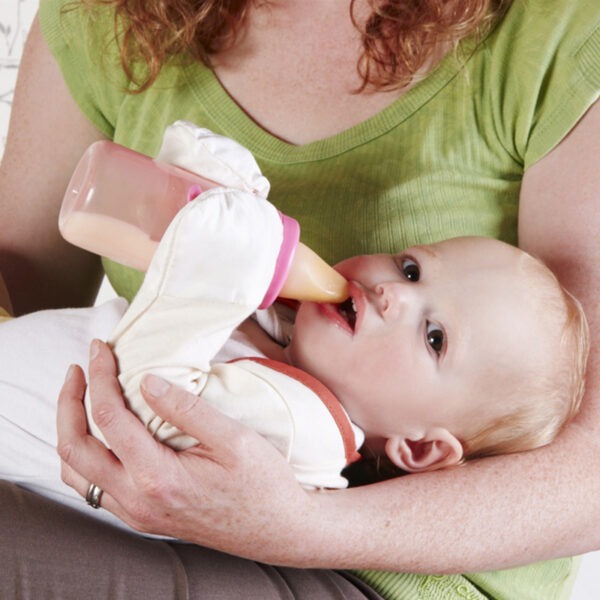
(399, 38)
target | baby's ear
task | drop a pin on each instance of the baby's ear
(437, 449)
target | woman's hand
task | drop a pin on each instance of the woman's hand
(233, 492)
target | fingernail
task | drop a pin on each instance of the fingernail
(94, 349)
(70, 373)
(155, 386)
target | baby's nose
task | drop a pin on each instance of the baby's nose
(394, 298)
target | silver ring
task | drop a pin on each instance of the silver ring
(93, 495)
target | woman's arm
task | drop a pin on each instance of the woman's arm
(47, 136)
(239, 497)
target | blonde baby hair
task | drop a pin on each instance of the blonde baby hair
(544, 403)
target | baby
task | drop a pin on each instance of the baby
(460, 349)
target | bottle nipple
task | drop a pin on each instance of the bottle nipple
(311, 278)
(301, 274)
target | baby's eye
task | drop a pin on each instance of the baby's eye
(411, 269)
(435, 337)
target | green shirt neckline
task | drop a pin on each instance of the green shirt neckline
(223, 109)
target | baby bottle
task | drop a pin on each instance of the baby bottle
(119, 203)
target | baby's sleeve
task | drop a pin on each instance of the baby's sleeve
(210, 272)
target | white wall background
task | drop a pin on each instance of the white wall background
(15, 18)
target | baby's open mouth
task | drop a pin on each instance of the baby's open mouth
(347, 310)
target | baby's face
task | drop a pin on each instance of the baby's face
(421, 335)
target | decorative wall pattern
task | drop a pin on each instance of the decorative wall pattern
(15, 19)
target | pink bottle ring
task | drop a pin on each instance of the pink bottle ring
(291, 237)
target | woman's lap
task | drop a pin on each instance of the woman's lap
(53, 551)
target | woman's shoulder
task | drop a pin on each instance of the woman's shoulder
(82, 40)
(534, 29)
(541, 68)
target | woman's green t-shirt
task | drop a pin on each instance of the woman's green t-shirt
(444, 160)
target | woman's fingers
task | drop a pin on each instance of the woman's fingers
(123, 431)
(138, 474)
(81, 485)
(75, 446)
(187, 412)
(70, 401)
(102, 369)
(77, 449)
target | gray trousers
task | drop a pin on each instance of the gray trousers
(48, 551)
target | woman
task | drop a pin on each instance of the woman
(505, 129)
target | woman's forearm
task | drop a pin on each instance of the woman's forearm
(491, 514)
(241, 497)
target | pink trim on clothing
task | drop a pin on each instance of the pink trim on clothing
(328, 398)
